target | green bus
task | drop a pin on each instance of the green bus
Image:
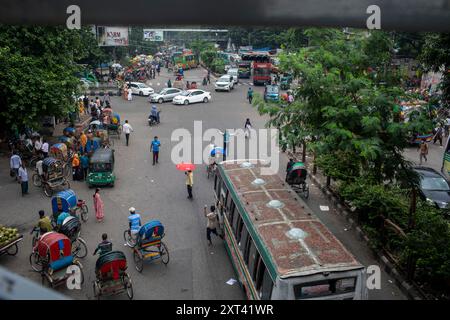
(278, 248)
(186, 61)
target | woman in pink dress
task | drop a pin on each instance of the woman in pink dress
(98, 205)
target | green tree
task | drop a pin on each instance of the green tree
(38, 67)
(436, 57)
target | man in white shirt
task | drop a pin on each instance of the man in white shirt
(45, 148)
(37, 145)
(14, 163)
(127, 129)
(23, 179)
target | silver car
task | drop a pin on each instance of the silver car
(166, 94)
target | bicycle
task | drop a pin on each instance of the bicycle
(81, 210)
(36, 231)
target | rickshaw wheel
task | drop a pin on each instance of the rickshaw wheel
(35, 262)
(12, 251)
(164, 253)
(48, 190)
(37, 182)
(97, 291)
(129, 239)
(138, 260)
(79, 248)
(128, 285)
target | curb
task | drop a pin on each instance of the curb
(407, 288)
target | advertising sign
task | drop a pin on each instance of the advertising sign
(153, 35)
(113, 36)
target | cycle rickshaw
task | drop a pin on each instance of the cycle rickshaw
(296, 178)
(66, 201)
(53, 176)
(71, 228)
(111, 275)
(114, 127)
(52, 257)
(149, 245)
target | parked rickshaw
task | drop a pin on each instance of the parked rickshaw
(101, 168)
(52, 256)
(63, 153)
(69, 131)
(149, 245)
(115, 128)
(68, 141)
(111, 275)
(71, 228)
(66, 201)
(53, 177)
(296, 178)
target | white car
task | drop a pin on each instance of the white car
(234, 72)
(225, 83)
(192, 96)
(166, 94)
(141, 89)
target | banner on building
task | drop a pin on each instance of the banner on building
(112, 36)
(153, 35)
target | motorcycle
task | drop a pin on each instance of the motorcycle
(152, 121)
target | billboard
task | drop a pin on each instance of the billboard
(112, 36)
(153, 35)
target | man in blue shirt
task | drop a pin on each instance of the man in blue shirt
(62, 216)
(155, 148)
(134, 221)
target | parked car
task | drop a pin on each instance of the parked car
(192, 96)
(434, 188)
(224, 83)
(141, 89)
(164, 95)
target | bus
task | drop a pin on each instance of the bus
(262, 67)
(278, 248)
(245, 68)
(185, 60)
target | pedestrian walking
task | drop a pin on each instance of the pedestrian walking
(127, 129)
(154, 147)
(106, 98)
(14, 163)
(45, 147)
(98, 205)
(247, 128)
(423, 151)
(189, 183)
(211, 226)
(23, 178)
(76, 169)
(205, 82)
(169, 84)
(438, 135)
(84, 159)
(83, 141)
(130, 94)
(208, 77)
(250, 95)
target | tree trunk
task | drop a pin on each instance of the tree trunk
(314, 166)
(328, 181)
(304, 151)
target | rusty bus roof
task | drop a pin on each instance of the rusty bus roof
(318, 250)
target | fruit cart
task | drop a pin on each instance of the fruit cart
(9, 238)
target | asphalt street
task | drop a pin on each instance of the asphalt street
(195, 270)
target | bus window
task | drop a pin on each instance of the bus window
(239, 230)
(236, 218)
(243, 240)
(261, 268)
(324, 288)
(267, 286)
(252, 258)
(254, 270)
(231, 212)
(247, 248)
(216, 185)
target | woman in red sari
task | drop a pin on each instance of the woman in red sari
(98, 206)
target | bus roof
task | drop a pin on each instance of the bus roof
(275, 230)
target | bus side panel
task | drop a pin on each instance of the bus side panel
(236, 259)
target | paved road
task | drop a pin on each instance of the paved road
(195, 271)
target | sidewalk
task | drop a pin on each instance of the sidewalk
(59, 128)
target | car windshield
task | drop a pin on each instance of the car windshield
(184, 93)
(224, 79)
(141, 85)
(164, 91)
(100, 167)
(434, 184)
(273, 89)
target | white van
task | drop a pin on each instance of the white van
(234, 72)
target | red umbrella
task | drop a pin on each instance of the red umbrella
(186, 166)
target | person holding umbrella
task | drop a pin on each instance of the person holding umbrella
(189, 182)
